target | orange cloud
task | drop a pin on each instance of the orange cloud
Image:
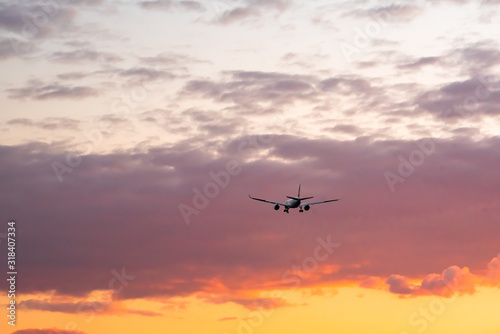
(493, 275)
(451, 281)
(373, 282)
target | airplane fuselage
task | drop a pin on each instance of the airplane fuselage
(292, 203)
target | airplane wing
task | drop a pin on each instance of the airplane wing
(313, 203)
(263, 200)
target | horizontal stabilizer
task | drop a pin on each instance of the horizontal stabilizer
(299, 198)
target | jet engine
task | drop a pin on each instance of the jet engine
(276, 207)
(307, 207)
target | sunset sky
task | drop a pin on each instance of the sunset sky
(132, 133)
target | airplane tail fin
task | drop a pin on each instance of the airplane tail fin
(298, 198)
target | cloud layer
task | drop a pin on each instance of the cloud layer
(119, 213)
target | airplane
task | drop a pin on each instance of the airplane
(294, 202)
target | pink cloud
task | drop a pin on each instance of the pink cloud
(453, 280)
(108, 202)
(373, 282)
(494, 271)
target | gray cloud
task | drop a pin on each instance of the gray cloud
(107, 198)
(82, 307)
(37, 90)
(51, 123)
(146, 73)
(72, 76)
(452, 280)
(471, 60)
(345, 85)
(251, 88)
(346, 128)
(84, 55)
(13, 47)
(463, 99)
(251, 9)
(480, 57)
(399, 284)
(192, 5)
(169, 4)
(35, 20)
(73, 308)
(419, 63)
(158, 4)
(391, 13)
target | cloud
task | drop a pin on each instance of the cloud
(72, 76)
(480, 57)
(474, 59)
(82, 55)
(267, 93)
(168, 4)
(14, 47)
(399, 284)
(72, 308)
(248, 89)
(463, 99)
(391, 13)
(37, 90)
(374, 282)
(158, 4)
(35, 20)
(50, 123)
(346, 128)
(419, 63)
(251, 9)
(494, 271)
(452, 280)
(251, 303)
(47, 331)
(105, 199)
(143, 72)
(345, 85)
(83, 307)
(170, 59)
(192, 5)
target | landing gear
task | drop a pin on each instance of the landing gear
(301, 210)
(286, 210)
